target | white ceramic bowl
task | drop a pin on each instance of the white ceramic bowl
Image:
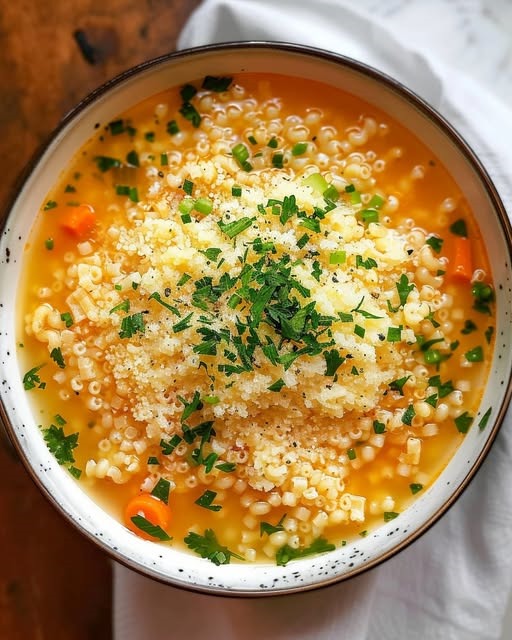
(165, 563)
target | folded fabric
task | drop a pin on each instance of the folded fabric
(453, 583)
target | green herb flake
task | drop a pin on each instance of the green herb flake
(70, 189)
(149, 136)
(218, 84)
(236, 191)
(435, 243)
(351, 454)
(60, 445)
(130, 325)
(337, 257)
(152, 530)
(31, 379)
(232, 229)
(272, 143)
(168, 446)
(269, 529)
(359, 330)
(104, 163)
(190, 113)
(183, 279)
(277, 385)
(57, 357)
(415, 488)
(226, 467)
(475, 355)
(206, 499)
(183, 324)
(122, 306)
(394, 334)
(75, 472)
(132, 158)
(207, 546)
(459, 228)
(489, 332)
(164, 159)
(484, 419)
(390, 515)
(398, 385)
(469, 327)
(49, 244)
(278, 160)
(408, 415)
(463, 422)
(67, 319)
(187, 92)
(404, 288)
(50, 204)
(152, 460)
(379, 427)
(333, 361)
(286, 553)
(172, 128)
(299, 148)
(302, 241)
(116, 127)
(161, 490)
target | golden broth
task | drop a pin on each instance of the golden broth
(364, 463)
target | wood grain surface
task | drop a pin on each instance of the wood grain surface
(54, 584)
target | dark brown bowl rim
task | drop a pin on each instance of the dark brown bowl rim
(409, 96)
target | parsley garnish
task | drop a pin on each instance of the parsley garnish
(266, 527)
(415, 487)
(463, 422)
(232, 229)
(333, 361)
(390, 515)
(286, 553)
(151, 529)
(130, 325)
(408, 415)
(161, 490)
(435, 242)
(459, 228)
(60, 445)
(56, 356)
(31, 379)
(404, 288)
(217, 84)
(208, 546)
(485, 419)
(398, 385)
(277, 385)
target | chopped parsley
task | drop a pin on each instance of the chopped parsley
(463, 422)
(277, 385)
(459, 228)
(151, 529)
(51, 204)
(130, 325)
(31, 379)
(60, 445)
(57, 357)
(269, 529)
(436, 243)
(161, 490)
(217, 84)
(415, 487)
(484, 419)
(286, 553)
(207, 546)
(390, 515)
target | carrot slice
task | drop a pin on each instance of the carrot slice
(150, 508)
(461, 267)
(79, 221)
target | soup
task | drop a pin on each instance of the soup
(264, 321)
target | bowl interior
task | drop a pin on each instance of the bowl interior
(104, 105)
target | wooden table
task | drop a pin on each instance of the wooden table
(54, 584)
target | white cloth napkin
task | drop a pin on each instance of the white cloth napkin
(454, 582)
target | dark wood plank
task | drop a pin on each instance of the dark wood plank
(54, 584)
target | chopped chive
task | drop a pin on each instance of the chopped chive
(211, 399)
(152, 460)
(49, 243)
(351, 454)
(188, 187)
(122, 190)
(252, 140)
(369, 215)
(164, 160)
(394, 334)
(232, 229)
(302, 241)
(69, 189)
(236, 191)
(317, 182)
(203, 205)
(485, 419)
(104, 163)
(240, 154)
(359, 330)
(277, 160)
(183, 324)
(376, 202)
(272, 143)
(133, 194)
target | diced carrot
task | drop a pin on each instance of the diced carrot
(461, 267)
(150, 508)
(79, 220)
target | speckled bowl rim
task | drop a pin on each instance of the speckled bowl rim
(323, 570)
